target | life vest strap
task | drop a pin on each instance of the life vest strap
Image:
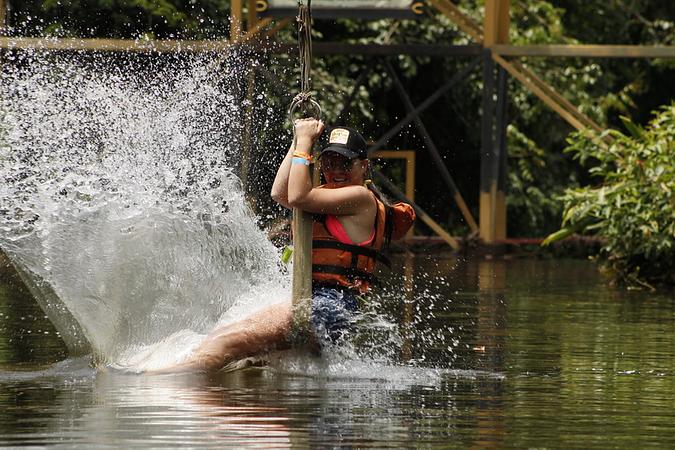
(353, 249)
(346, 271)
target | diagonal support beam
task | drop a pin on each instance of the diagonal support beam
(548, 90)
(462, 20)
(433, 151)
(563, 107)
(423, 216)
(459, 76)
(548, 95)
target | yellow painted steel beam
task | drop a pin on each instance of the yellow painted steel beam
(137, 45)
(539, 92)
(251, 15)
(587, 51)
(504, 21)
(431, 223)
(113, 45)
(587, 121)
(3, 16)
(281, 24)
(463, 21)
(409, 156)
(496, 22)
(236, 19)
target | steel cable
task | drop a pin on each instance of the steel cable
(304, 101)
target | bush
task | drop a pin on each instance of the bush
(633, 208)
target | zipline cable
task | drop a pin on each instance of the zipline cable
(304, 101)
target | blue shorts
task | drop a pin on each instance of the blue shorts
(332, 313)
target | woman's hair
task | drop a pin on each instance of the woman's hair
(389, 210)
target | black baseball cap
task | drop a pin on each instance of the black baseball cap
(346, 142)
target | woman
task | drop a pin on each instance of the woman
(352, 225)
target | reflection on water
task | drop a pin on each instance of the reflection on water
(542, 354)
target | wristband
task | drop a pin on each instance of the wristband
(298, 160)
(306, 156)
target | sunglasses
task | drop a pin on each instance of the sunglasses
(337, 163)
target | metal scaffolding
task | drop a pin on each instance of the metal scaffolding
(490, 49)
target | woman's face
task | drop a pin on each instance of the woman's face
(341, 171)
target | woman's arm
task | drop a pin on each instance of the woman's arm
(340, 201)
(306, 132)
(348, 200)
(280, 186)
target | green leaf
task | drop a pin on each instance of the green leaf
(635, 130)
(558, 235)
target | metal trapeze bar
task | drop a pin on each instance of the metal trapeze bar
(433, 151)
(424, 105)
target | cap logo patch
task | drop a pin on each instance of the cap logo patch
(339, 136)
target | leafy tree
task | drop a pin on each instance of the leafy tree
(633, 209)
(538, 169)
(165, 19)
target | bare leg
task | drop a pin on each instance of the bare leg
(268, 329)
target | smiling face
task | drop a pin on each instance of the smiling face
(340, 171)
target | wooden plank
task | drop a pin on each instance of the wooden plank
(3, 16)
(172, 46)
(130, 45)
(504, 21)
(424, 217)
(114, 45)
(410, 177)
(463, 21)
(487, 154)
(252, 15)
(236, 18)
(255, 30)
(409, 156)
(587, 51)
(339, 48)
(496, 22)
(277, 27)
(490, 23)
(302, 272)
(578, 120)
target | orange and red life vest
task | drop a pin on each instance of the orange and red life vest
(352, 266)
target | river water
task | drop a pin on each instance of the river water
(535, 353)
(121, 208)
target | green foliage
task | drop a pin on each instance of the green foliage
(534, 186)
(633, 209)
(538, 171)
(165, 19)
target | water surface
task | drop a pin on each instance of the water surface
(518, 353)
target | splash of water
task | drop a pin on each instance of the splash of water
(120, 208)
(118, 202)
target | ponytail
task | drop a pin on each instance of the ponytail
(389, 211)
